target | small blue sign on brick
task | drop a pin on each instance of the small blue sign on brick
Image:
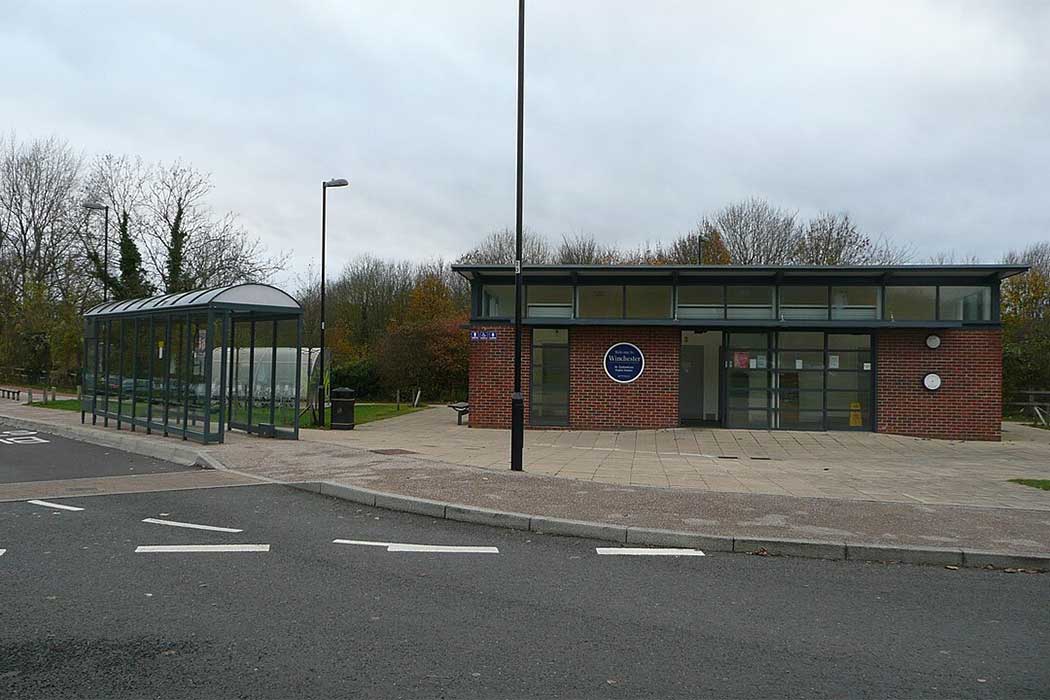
(624, 362)
(483, 335)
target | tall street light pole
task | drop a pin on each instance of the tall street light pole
(334, 182)
(98, 206)
(517, 403)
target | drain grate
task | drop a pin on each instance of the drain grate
(393, 451)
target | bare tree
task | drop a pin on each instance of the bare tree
(585, 249)
(834, 239)
(38, 183)
(754, 232)
(187, 246)
(951, 257)
(498, 249)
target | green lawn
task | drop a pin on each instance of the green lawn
(1043, 484)
(366, 413)
(61, 404)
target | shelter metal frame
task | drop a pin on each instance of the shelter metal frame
(182, 352)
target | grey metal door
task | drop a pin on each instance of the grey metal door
(691, 384)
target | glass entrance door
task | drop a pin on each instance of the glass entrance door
(698, 377)
(549, 383)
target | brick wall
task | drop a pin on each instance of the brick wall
(595, 401)
(968, 404)
(598, 403)
(491, 376)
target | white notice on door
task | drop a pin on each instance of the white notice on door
(833, 361)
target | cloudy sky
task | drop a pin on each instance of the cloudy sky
(928, 122)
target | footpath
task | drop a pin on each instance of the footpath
(953, 535)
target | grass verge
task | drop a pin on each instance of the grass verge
(366, 413)
(1043, 484)
(61, 404)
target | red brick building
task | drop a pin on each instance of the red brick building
(912, 349)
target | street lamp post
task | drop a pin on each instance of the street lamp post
(517, 403)
(93, 205)
(334, 182)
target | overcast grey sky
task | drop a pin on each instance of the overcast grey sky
(928, 122)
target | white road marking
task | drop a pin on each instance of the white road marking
(159, 548)
(441, 549)
(192, 526)
(3, 552)
(49, 504)
(649, 552)
(432, 548)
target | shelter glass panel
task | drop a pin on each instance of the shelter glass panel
(285, 409)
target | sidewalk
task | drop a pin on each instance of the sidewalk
(740, 515)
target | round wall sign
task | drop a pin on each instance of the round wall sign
(933, 342)
(624, 363)
(932, 381)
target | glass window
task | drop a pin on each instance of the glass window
(497, 301)
(548, 301)
(701, 301)
(855, 303)
(911, 303)
(749, 302)
(849, 341)
(600, 301)
(649, 301)
(966, 303)
(805, 340)
(803, 303)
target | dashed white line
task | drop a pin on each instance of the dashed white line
(425, 548)
(192, 526)
(184, 548)
(3, 552)
(49, 504)
(649, 552)
(441, 549)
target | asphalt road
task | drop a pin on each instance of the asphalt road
(28, 455)
(83, 615)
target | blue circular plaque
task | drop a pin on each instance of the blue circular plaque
(624, 363)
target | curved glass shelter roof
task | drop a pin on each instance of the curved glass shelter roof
(247, 297)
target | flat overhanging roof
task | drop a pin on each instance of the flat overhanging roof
(874, 273)
(257, 298)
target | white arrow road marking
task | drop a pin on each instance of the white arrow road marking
(3, 552)
(158, 548)
(193, 526)
(649, 552)
(49, 504)
(431, 548)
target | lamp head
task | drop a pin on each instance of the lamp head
(337, 182)
(95, 205)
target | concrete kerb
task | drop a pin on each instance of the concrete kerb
(187, 455)
(810, 549)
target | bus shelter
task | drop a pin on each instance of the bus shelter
(197, 363)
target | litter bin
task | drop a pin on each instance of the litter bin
(343, 401)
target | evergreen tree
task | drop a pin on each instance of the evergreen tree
(176, 276)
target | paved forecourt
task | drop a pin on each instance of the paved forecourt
(265, 591)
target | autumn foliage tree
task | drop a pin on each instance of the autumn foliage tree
(427, 346)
